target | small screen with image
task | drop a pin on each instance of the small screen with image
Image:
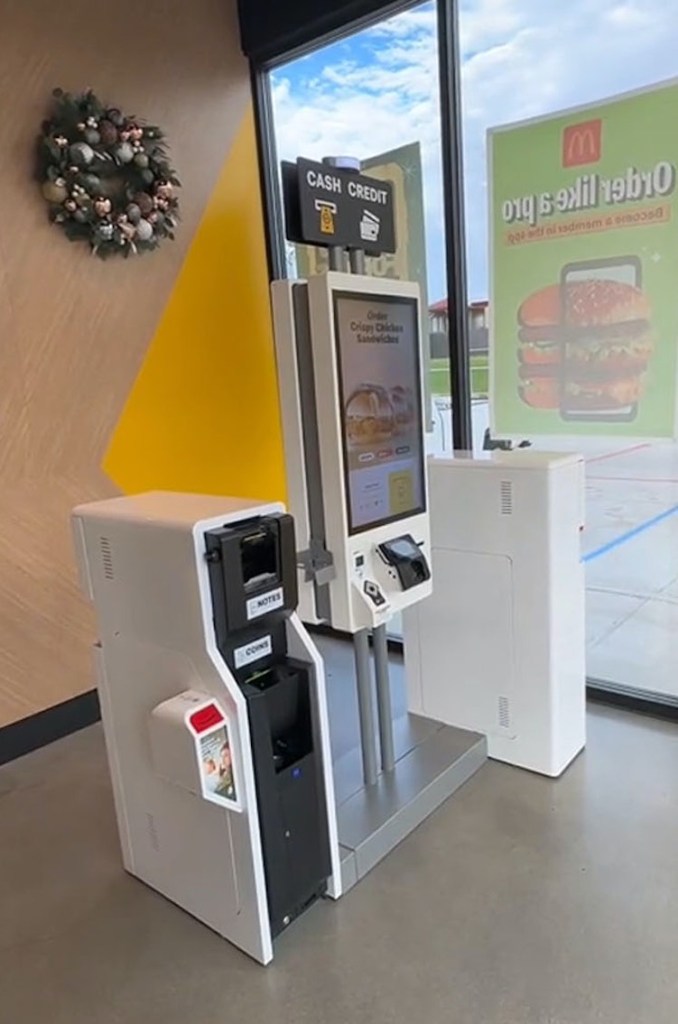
(217, 764)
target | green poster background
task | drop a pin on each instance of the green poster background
(636, 131)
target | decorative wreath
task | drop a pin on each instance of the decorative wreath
(106, 176)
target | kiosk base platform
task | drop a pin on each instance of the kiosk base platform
(432, 761)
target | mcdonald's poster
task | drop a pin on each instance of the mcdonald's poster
(584, 270)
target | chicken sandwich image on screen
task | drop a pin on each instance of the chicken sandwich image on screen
(375, 414)
(585, 344)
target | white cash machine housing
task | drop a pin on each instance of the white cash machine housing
(500, 645)
(214, 708)
(349, 367)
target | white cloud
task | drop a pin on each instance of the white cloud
(423, 20)
(629, 15)
(485, 23)
(521, 58)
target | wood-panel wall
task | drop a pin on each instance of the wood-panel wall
(73, 329)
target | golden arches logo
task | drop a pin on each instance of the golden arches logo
(582, 143)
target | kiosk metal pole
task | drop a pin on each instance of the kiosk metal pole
(384, 708)
(336, 257)
(362, 650)
(379, 640)
(361, 640)
(363, 672)
(357, 261)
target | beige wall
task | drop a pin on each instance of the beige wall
(73, 329)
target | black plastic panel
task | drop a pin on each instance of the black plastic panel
(288, 774)
(270, 31)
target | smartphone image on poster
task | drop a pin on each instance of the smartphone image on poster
(605, 340)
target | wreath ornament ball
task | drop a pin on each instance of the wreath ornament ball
(106, 176)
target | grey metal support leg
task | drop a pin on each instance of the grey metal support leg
(337, 257)
(363, 673)
(357, 261)
(384, 709)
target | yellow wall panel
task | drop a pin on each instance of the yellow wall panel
(203, 414)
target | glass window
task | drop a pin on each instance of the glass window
(374, 95)
(571, 251)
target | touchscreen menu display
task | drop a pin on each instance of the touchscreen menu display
(377, 340)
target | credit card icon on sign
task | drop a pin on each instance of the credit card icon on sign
(369, 227)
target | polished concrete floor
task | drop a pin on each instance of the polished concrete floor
(521, 901)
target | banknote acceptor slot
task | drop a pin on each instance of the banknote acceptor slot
(253, 579)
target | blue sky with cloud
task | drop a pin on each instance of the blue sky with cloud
(378, 89)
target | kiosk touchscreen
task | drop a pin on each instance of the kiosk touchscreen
(380, 408)
(361, 492)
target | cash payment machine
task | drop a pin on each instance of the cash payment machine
(214, 708)
(349, 367)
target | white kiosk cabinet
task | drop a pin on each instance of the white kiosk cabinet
(214, 708)
(500, 645)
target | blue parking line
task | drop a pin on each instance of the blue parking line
(630, 534)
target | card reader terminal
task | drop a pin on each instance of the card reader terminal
(405, 556)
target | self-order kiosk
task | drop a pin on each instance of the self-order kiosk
(349, 368)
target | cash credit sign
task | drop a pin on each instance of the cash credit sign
(584, 246)
(332, 206)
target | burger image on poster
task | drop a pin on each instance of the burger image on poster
(584, 347)
(539, 355)
(369, 415)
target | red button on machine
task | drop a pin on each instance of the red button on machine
(206, 718)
